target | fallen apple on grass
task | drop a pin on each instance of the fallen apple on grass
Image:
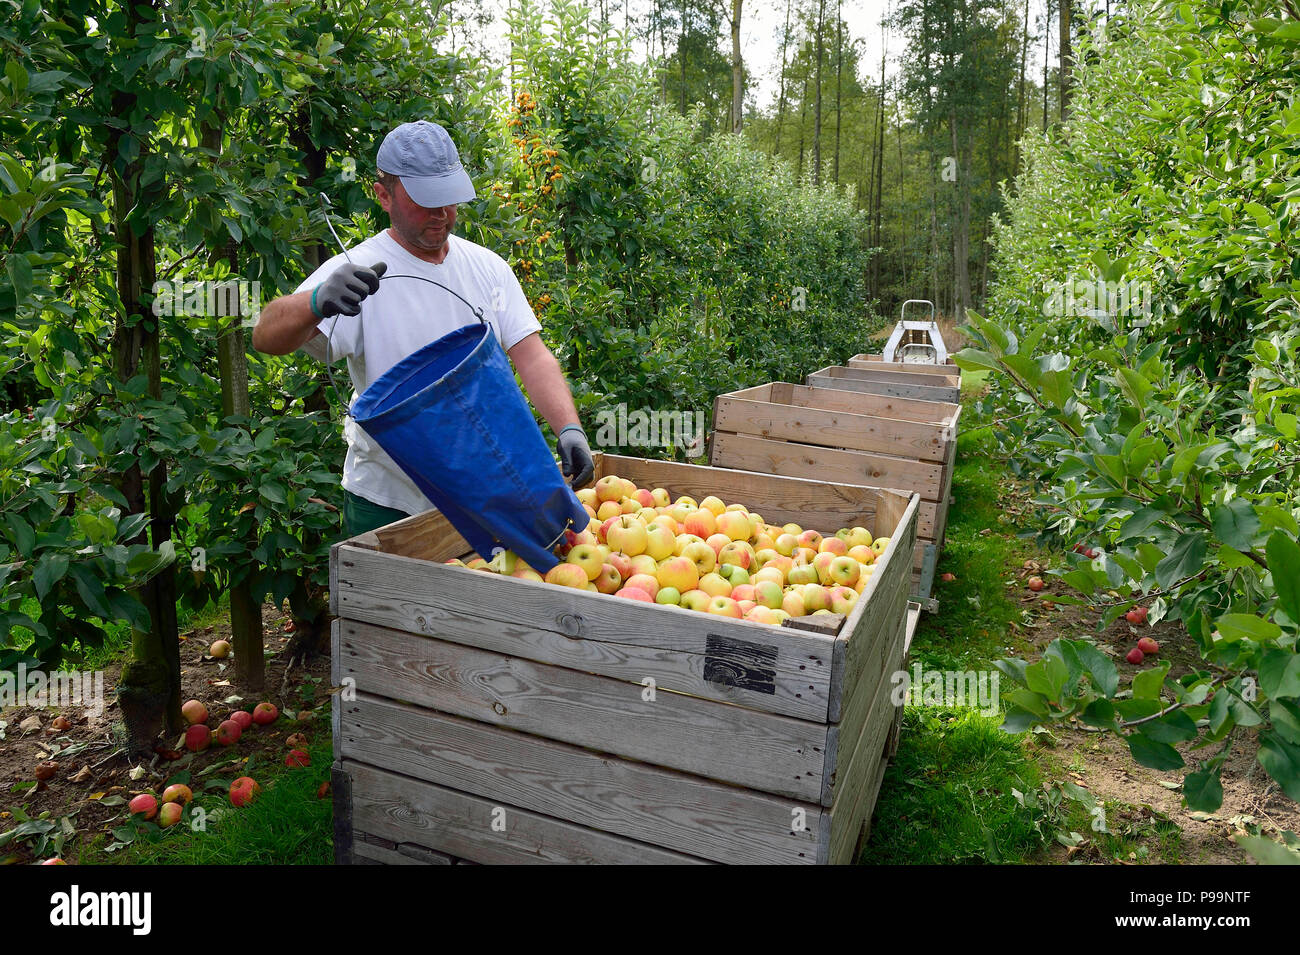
(170, 814)
(177, 792)
(194, 712)
(264, 714)
(1148, 646)
(228, 733)
(244, 790)
(198, 738)
(145, 804)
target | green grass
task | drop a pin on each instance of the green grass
(973, 624)
(947, 797)
(286, 825)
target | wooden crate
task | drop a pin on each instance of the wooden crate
(851, 438)
(920, 386)
(878, 363)
(467, 699)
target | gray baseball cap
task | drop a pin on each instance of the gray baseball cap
(425, 158)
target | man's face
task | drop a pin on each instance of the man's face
(424, 229)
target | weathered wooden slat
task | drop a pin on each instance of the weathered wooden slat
(834, 429)
(906, 409)
(855, 798)
(876, 362)
(896, 727)
(763, 751)
(848, 467)
(407, 810)
(859, 707)
(878, 383)
(429, 536)
(341, 792)
(765, 667)
(881, 601)
(900, 373)
(647, 803)
(387, 852)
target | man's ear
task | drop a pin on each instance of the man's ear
(384, 196)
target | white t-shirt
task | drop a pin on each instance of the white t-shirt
(400, 319)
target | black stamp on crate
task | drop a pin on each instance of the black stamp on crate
(746, 666)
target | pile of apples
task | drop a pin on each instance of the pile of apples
(710, 556)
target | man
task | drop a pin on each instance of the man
(421, 181)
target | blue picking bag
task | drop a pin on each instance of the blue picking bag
(453, 419)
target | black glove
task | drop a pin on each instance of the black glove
(575, 456)
(342, 292)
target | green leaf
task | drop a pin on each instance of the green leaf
(1285, 717)
(1203, 791)
(273, 491)
(1266, 851)
(1174, 727)
(1236, 524)
(1048, 677)
(1018, 720)
(1283, 556)
(1282, 761)
(1279, 674)
(1153, 754)
(24, 536)
(972, 359)
(1030, 701)
(1148, 683)
(1098, 666)
(20, 274)
(1130, 710)
(49, 571)
(1185, 559)
(1246, 626)
(1220, 710)
(1081, 580)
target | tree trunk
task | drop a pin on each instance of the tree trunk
(780, 107)
(839, 82)
(681, 57)
(1066, 60)
(902, 213)
(961, 227)
(1021, 111)
(1047, 55)
(232, 363)
(817, 116)
(737, 70)
(803, 111)
(150, 686)
(878, 162)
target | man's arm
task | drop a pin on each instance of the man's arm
(286, 324)
(544, 381)
(289, 322)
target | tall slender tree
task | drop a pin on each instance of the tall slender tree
(817, 116)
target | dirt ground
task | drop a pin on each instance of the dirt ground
(94, 778)
(1102, 764)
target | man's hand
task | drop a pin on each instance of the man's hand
(342, 292)
(575, 456)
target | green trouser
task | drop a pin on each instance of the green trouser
(361, 515)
